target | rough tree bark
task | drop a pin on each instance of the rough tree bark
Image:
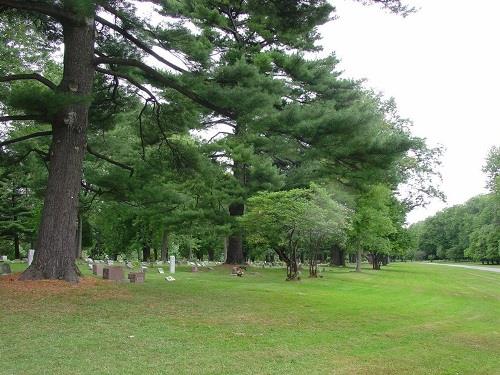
(55, 247)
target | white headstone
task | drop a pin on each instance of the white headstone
(160, 270)
(169, 278)
(31, 254)
(172, 264)
(4, 258)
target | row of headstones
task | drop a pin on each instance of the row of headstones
(116, 273)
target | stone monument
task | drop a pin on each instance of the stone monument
(172, 264)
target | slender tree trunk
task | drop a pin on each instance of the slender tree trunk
(55, 248)
(17, 253)
(146, 253)
(358, 261)
(235, 241)
(164, 246)
(211, 254)
(226, 245)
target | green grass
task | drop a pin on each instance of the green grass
(405, 319)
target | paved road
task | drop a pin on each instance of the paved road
(490, 269)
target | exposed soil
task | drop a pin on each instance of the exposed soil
(11, 283)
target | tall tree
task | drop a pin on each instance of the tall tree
(119, 50)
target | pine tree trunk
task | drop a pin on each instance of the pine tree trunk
(164, 246)
(235, 241)
(17, 253)
(56, 246)
(146, 253)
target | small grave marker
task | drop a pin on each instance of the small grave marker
(5, 268)
(136, 277)
(160, 270)
(4, 258)
(169, 278)
(97, 269)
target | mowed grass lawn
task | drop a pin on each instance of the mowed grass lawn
(405, 319)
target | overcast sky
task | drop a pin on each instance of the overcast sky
(442, 67)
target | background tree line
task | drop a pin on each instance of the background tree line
(468, 231)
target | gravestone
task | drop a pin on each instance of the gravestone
(31, 254)
(160, 270)
(172, 264)
(97, 269)
(4, 268)
(144, 268)
(112, 273)
(136, 277)
(110, 262)
(4, 258)
(169, 278)
(194, 269)
(91, 267)
(129, 265)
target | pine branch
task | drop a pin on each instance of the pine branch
(20, 118)
(109, 160)
(136, 41)
(29, 76)
(129, 79)
(43, 8)
(170, 82)
(24, 138)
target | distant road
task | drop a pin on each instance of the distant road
(491, 269)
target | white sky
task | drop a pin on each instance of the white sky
(442, 67)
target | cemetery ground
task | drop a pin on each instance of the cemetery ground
(408, 318)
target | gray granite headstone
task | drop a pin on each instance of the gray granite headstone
(4, 268)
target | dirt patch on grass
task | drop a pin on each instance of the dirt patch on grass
(12, 283)
(91, 287)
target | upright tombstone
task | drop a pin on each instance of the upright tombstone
(113, 273)
(4, 258)
(31, 254)
(97, 269)
(4, 268)
(172, 264)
